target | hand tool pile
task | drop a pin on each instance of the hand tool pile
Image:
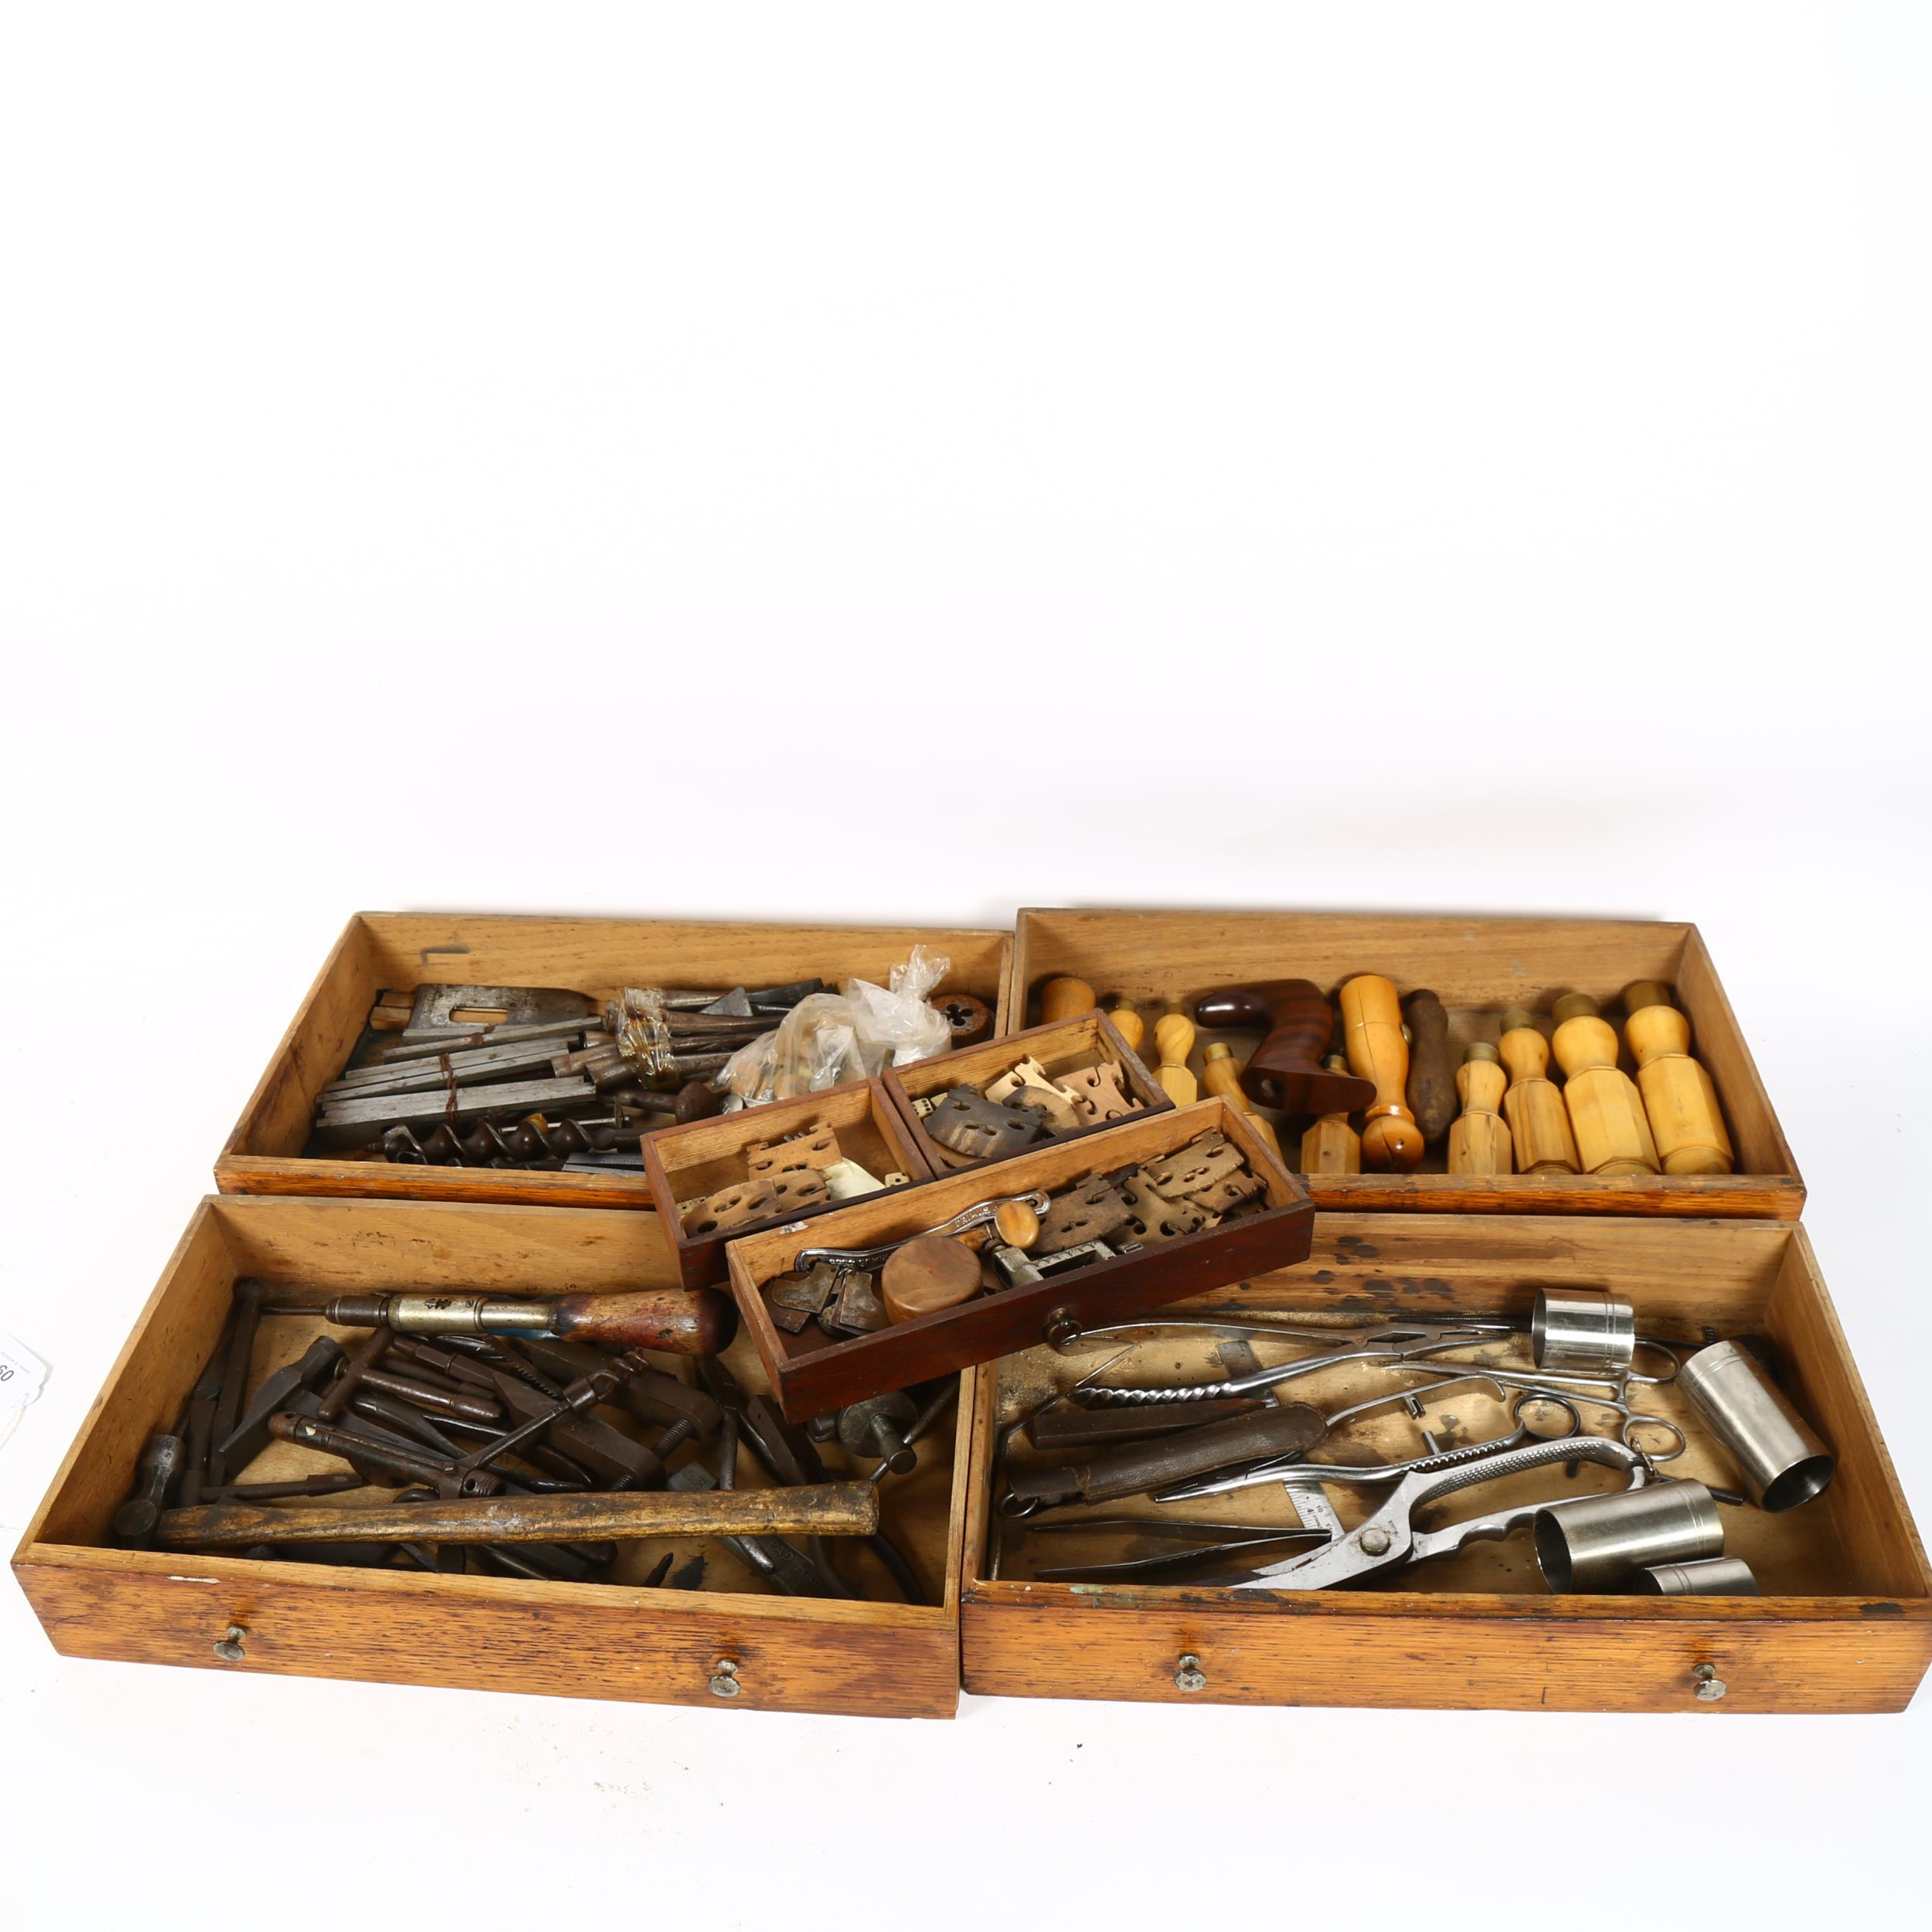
(537, 1077)
(1398, 1088)
(1016, 1241)
(1101, 1441)
(531, 1438)
(781, 1177)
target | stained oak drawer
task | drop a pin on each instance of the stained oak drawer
(395, 953)
(1844, 1622)
(1479, 967)
(882, 1658)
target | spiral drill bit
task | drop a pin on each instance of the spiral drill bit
(533, 1142)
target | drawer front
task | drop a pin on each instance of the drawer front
(1615, 1662)
(358, 1625)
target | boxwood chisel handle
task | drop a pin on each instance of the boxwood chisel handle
(823, 1509)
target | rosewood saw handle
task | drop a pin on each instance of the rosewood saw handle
(1285, 1070)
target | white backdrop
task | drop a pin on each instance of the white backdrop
(885, 462)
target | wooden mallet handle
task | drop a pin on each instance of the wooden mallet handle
(816, 1509)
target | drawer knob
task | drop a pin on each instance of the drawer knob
(1707, 1686)
(1189, 1676)
(724, 1678)
(230, 1649)
(1062, 1328)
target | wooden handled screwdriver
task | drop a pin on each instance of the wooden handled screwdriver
(670, 1321)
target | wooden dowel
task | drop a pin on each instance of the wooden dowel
(816, 1509)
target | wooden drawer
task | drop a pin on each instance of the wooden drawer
(1845, 1624)
(396, 952)
(885, 1658)
(1478, 967)
(687, 1163)
(811, 1371)
(1062, 1047)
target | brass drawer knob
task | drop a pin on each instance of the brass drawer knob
(1189, 1676)
(1707, 1686)
(724, 1678)
(230, 1649)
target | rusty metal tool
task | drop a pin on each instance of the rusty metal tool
(234, 1376)
(409, 1463)
(162, 1460)
(1146, 1548)
(823, 1509)
(278, 1391)
(650, 1394)
(332, 1484)
(367, 1352)
(1289, 1429)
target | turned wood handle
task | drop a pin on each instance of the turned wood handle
(817, 1509)
(1432, 1066)
(1066, 998)
(672, 1321)
(1372, 1021)
(1285, 1070)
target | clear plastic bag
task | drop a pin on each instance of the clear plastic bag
(829, 1038)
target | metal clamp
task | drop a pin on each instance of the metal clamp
(1188, 1675)
(230, 1649)
(724, 1678)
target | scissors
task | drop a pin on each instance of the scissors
(1388, 1539)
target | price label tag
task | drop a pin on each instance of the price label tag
(22, 1374)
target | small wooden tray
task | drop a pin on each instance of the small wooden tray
(886, 1658)
(1062, 1046)
(811, 1371)
(1478, 967)
(396, 952)
(1845, 1624)
(686, 1163)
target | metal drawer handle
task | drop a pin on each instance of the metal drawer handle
(1707, 1686)
(1189, 1676)
(724, 1678)
(230, 1649)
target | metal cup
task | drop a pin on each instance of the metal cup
(1783, 1464)
(1714, 1576)
(1580, 1328)
(1593, 1543)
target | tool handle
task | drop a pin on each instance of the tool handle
(822, 1509)
(670, 1321)
(1427, 1486)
